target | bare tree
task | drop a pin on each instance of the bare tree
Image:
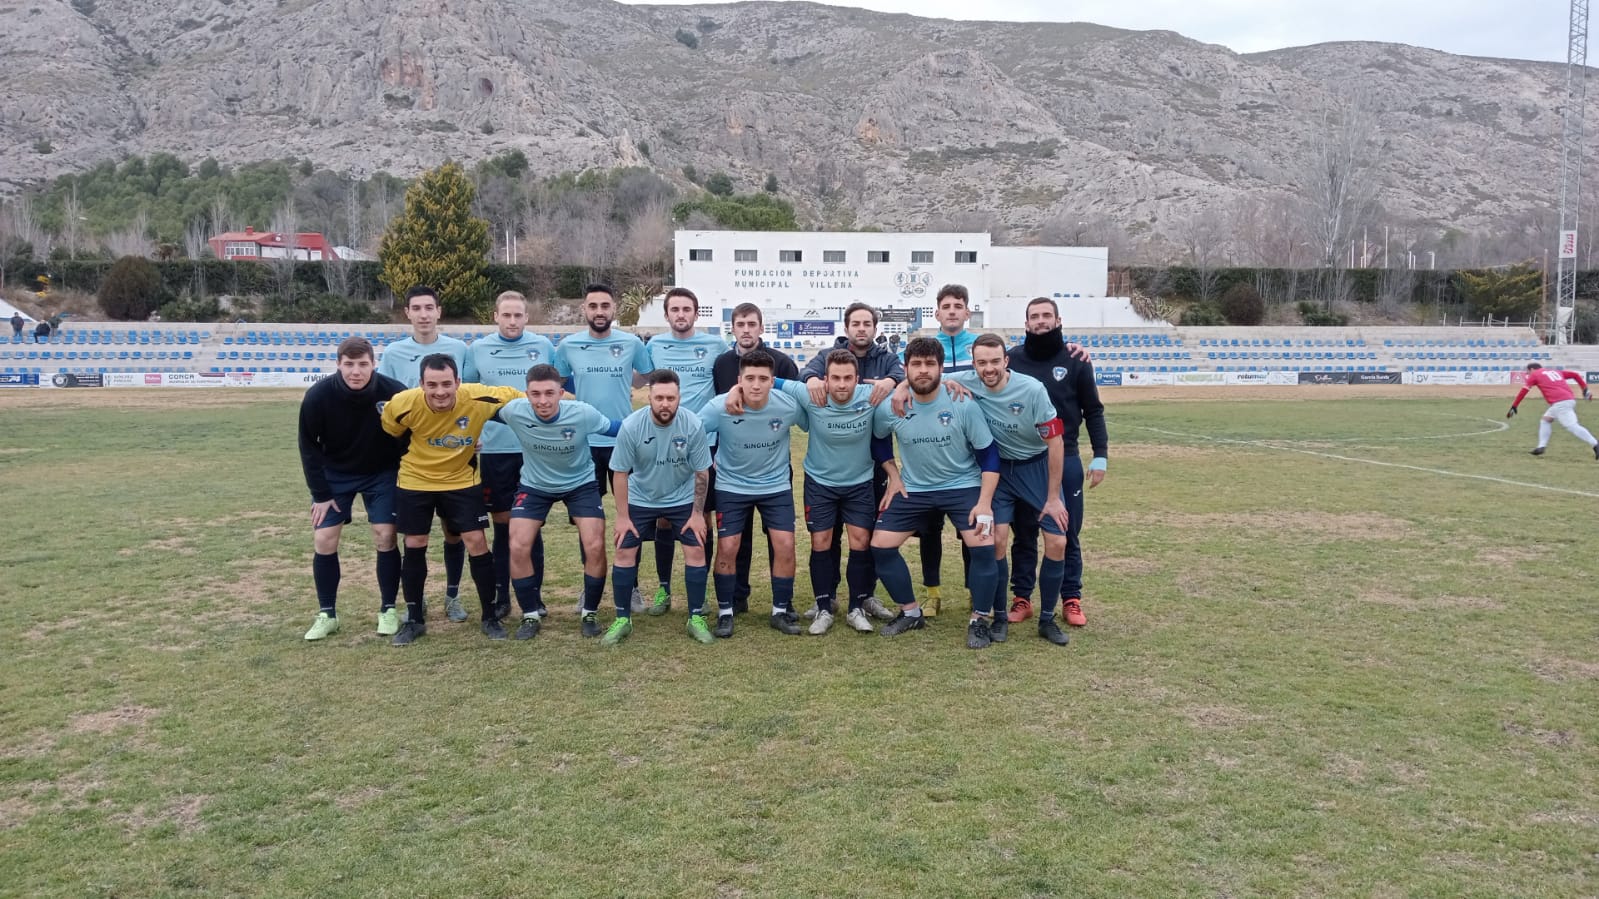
(647, 247)
(1339, 186)
(133, 240)
(196, 247)
(221, 215)
(286, 224)
(72, 221)
(1204, 240)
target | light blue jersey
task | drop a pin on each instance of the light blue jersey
(498, 362)
(692, 359)
(840, 450)
(753, 449)
(601, 369)
(661, 461)
(1014, 412)
(937, 442)
(555, 454)
(402, 360)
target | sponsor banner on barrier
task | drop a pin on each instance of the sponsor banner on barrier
(1108, 378)
(1282, 378)
(77, 379)
(1376, 377)
(1324, 377)
(1586, 377)
(1246, 377)
(18, 379)
(1146, 378)
(1197, 378)
(1456, 378)
(191, 379)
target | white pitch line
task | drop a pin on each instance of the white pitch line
(1260, 444)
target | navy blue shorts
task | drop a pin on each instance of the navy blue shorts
(502, 475)
(461, 510)
(825, 506)
(1024, 484)
(376, 491)
(733, 509)
(582, 502)
(645, 518)
(907, 514)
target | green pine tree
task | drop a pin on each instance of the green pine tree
(438, 242)
(1514, 292)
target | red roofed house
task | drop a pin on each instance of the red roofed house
(253, 244)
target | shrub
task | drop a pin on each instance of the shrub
(1317, 316)
(719, 184)
(1243, 305)
(131, 289)
(1202, 315)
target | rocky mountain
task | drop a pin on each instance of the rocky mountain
(865, 118)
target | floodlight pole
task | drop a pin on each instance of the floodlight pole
(1571, 150)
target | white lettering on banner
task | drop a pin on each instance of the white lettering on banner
(1192, 378)
(1282, 378)
(1568, 245)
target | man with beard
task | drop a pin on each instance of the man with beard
(951, 468)
(555, 437)
(502, 359)
(401, 362)
(880, 370)
(693, 356)
(1024, 424)
(441, 423)
(1070, 382)
(747, 325)
(344, 452)
(660, 472)
(601, 364)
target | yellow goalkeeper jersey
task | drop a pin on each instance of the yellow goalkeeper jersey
(443, 445)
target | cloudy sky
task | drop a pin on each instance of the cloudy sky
(1527, 29)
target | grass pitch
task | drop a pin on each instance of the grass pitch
(1335, 647)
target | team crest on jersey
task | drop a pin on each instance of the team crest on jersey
(944, 418)
(380, 406)
(1059, 372)
(462, 422)
(616, 352)
(699, 352)
(679, 443)
(776, 424)
(533, 355)
(568, 433)
(861, 406)
(1015, 408)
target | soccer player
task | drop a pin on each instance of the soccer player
(1562, 405)
(601, 364)
(752, 462)
(441, 423)
(344, 451)
(1068, 376)
(661, 471)
(882, 371)
(747, 325)
(555, 436)
(1031, 453)
(953, 311)
(502, 359)
(401, 361)
(839, 476)
(950, 467)
(693, 356)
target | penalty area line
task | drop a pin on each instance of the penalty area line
(1443, 472)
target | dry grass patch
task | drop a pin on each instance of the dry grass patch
(46, 629)
(1561, 669)
(1431, 603)
(1111, 564)
(1301, 525)
(111, 720)
(1218, 717)
(183, 813)
(1167, 451)
(1555, 738)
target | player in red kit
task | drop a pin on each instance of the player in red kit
(1551, 382)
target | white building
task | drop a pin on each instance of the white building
(803, 280)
